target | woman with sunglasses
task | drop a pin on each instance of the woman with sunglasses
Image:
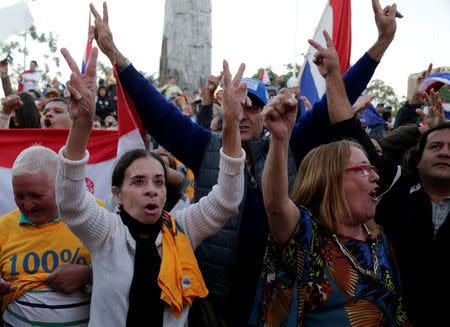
(327, 263)
(144, 267)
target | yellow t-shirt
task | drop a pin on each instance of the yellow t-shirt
(28, 253)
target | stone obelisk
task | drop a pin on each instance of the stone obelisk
(186, 44)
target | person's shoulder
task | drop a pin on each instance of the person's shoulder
(9, 218)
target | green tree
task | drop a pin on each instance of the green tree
(290, 68)
(18, 46)
(269, 70)
(383, 93)
(444, 93)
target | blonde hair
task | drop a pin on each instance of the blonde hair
(319, 185)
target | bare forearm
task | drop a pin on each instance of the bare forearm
(281, 211)
(115, 56)
(377, 51)
(7, 88)
(208, 99)
(339, 107)
(231, 138)
(77, 143)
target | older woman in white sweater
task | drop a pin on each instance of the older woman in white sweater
(144, 268)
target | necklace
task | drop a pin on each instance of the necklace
(372, 274)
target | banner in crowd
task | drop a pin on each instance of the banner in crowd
(433, 81)
(104, 147)
(336, 20)
(15, 19)
(372, 117)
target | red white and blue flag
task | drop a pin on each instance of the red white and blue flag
(433, 81)
(104, 147)
(265, 77)
(87, 51)
(336, 20)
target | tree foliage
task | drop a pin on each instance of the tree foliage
(46, 43)
(269, 70)
(272, 74)
(444, 93)
(383, 93)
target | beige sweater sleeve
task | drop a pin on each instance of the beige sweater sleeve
(93, 224)
(90, 222)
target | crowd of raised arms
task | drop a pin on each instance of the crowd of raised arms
(239, 211)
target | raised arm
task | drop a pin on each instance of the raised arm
(208, 215)
(82, 105)
(327, 62)
(91, 223)
(6, 82)
(9, 105)
(233, 95)
(159, 116)
(385, 20)
(279, 117)
(312, 128)
(205, 112)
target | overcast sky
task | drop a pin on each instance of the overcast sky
(260, 33)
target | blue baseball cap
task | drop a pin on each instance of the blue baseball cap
(257, 88)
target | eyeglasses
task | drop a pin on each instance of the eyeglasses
(365, 169)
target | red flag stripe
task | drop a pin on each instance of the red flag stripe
(102, 144)
(342, 31)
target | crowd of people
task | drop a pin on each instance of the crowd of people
(240, 211)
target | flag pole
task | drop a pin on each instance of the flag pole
(300, 73)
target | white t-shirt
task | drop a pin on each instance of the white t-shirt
(33, 81)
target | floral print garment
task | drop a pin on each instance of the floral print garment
(310, 282)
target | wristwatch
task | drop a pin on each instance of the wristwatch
(124, 65)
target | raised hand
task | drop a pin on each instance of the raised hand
(213, 82)
(435, 114)
(326, 60)
(81, 89)
(101, 31)
(211, 86)
(11, 103)
(361, 104)
(81, 97)
(280, 114)
(102, 34)
(385, 20)
(234, 94)
(306, 102)
(417, 96)
(4, 68)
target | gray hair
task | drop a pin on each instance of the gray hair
(34, 160)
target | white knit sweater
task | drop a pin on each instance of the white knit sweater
(111, 245)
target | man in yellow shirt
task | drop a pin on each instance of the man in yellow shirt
(43, 265)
